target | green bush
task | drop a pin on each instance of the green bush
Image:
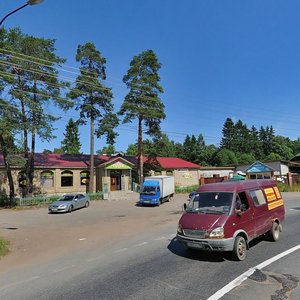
(96, 196)
(4, 247)
(5, 201)
(185, 189)
(286, 188)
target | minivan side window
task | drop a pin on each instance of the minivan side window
(258, 197)
(244, 201)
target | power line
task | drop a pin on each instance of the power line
(49, 62)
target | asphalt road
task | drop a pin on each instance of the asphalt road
(116, 250)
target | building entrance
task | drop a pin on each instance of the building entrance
(115, 180)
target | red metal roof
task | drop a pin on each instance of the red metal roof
(176, 163)
(82, 161)
(64, 160)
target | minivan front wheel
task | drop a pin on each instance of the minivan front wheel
(240, 248)
(275, 232)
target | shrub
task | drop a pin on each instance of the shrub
(185, 189)
(5, 201)
(96, 196)
(286, 188)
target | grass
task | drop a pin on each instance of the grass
(4, 247)
(185, 189)
(287, 188)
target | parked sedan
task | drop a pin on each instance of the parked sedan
(69, 202)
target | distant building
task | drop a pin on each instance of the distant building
(66, 173)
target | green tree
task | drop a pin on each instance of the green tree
(8, 121)
(255, 147)
(266, 137)
(29, 72)
(109, 150)
(132, 149)
(71, 143)
(295, 145)
(94, 100)
(245, 158)
(225, 157)
(143, 103)
(228, 135)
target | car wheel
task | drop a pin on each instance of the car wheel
(274, 233)
(240, 248)
(70, 208)
(87, 204)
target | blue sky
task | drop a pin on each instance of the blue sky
(220, 58)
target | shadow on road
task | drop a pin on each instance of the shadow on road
(211, 256)
(180, 250)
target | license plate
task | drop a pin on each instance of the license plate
(146, 201)
(195, 245)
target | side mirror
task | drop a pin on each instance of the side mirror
(239, 213)
(184, 206)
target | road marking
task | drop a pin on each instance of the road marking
(82, 239)
(121, 250)
(19, 282)
(63, 269)
(236, 282)
(160, 238)
(141, 244)
(94, 258)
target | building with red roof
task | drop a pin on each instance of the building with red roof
(67, 173)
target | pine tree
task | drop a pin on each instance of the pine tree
(71, 143)
(31, 83)
(142, 103)
(94, 100)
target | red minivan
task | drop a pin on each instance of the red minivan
(226, 216)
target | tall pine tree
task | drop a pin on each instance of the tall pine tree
(71, 143)
(143, 103)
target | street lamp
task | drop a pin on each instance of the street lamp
(29, 2)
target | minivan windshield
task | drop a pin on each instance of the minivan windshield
(211, 203)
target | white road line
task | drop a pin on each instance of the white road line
(63, 269)
(141, 244)
(94, 258)
(160, 238)
(19, 282)
(236, 282)
(121, 250)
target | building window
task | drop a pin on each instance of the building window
(66, 178)
(47, 179)
(84, 178)
(157, 173)
(169, 172)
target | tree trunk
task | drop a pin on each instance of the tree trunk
(30, 164)
(140, 152)
(91, 181)
(7, 169)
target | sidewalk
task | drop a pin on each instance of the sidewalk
(278, 281)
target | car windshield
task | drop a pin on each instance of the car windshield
(67, 198)
(148, 190)
(211, 203)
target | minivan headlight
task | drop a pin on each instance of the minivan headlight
(217, 233)
(179, 229)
